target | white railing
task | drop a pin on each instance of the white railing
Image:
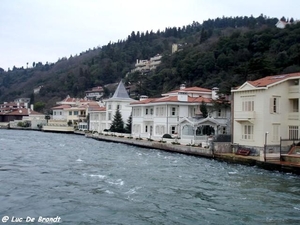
(293, 116)
(294, 89)
(244, 115)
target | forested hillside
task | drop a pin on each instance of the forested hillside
(222, 52)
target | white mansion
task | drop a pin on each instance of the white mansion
(266, 110)
(179, 113)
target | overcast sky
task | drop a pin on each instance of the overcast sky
(46, 30)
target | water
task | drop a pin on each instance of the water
(84, 181)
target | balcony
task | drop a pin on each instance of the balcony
(293, 116)
(241, 116)
(294, 91)
(148, 118)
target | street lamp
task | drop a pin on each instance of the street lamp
(265, 147)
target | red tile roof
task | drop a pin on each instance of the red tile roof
(190, 89)
(61, 107)
(269, 80)
(22, 112)
(96, 108)
(173, 99)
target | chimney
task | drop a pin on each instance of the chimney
(143, 97)
(182, 86)
(31, 107)
(214, 93)
(26, 105)
(182, 96)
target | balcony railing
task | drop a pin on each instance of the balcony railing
(294, 89)
(293, 116)
(148, 118)
(244, 115)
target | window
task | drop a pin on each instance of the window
(70, 113)
(247, 132)
(54, 113)
(173, 111)
(146, 111)
(248, 106)
(221, 113)
(293, 132)
(274, 105)
(146, 128)
(160, 129)
(295, 105)
(151, 111)
(247, 103)
(275, 132)
(173, 129)
(60, 113)
(75, 113)
(136, 128)
(109, 106)
(109, 116)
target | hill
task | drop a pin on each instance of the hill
(222, 52)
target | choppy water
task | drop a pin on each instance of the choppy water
(84, 181)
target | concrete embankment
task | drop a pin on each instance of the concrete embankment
(281, 166)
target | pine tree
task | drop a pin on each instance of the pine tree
(129, 124)
(203, 109)
(117, 124)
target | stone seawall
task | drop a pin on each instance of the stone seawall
(204, 152)
(221, 152)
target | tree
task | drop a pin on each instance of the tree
(39, 106)
(117, 124)
(129, 124)
(203, 109)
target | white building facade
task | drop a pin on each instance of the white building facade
(101, 118)
(265, 111)
(178, 113)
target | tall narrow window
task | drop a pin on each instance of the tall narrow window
(293, 132)
(275, 132)
(173, 111)
(173, 129)
(247, 132)
(295, 105)
(248, 103)
(274, 105)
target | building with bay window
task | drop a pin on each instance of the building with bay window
(266, 110)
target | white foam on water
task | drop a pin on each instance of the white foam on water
(296, 208)
(109, 192)
(232, 172)
(96, 175)
(118, 182)
(132, 190)
(79, 160)
(212, 209)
